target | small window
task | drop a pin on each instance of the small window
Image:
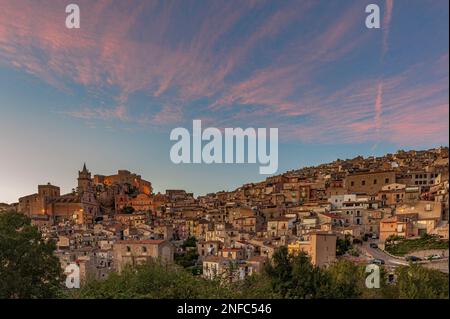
(363, 183)
(128, 248)
(374, 181)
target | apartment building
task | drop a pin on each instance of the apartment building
(320, 247)
(368, 182)
(135, 252)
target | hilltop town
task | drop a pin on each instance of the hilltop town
(352, 209)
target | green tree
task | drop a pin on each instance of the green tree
(343, 245)
(295, 276)
(187, 259)
(190, 242)
(256, 286)
(346, 280)
(28, 266)
(154, 280)
(279, 272)
(387, 290)
(418, 282)
(309, 282)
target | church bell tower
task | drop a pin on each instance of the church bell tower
(84, 179)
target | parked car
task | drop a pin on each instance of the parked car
(374, 236)
(378, 261)
(434, 257)
(412, 258)
(373, 245)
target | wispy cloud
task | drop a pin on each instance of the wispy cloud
(86, 113)
(295, 65)
(384, 49)
(387, 24)
(378, 108)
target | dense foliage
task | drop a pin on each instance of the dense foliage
(416, 282)
(286, 277)
(190, 242)
(343, 245)
(187, 259)
(295, 277)
(401, 246)
(28, 267)
(156, 281)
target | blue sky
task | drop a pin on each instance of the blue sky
(109, 93)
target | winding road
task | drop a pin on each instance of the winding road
(393, 262)
(379, 254)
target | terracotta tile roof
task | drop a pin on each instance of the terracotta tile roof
(144, 242)
(331, 215)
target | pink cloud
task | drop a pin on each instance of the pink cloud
(378, 108)
(86, 113)
(386, 24)
(168, 114)
(109, 54)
